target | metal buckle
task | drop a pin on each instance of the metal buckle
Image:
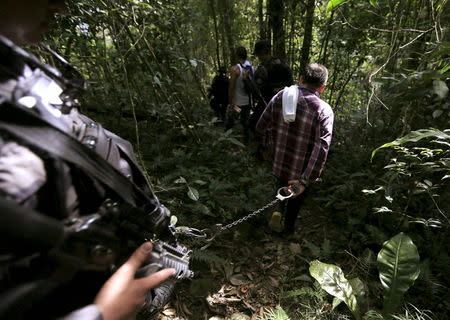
(192, 232)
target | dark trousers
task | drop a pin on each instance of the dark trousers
(257, 113)
(244, 116)
(291, 208)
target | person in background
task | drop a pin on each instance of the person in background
(298, 146)
(239, 93)
(218, 93)
(271, 76)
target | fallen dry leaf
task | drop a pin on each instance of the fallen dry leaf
(238, 279)
(294, 248)
(274, 282)
(169, 312)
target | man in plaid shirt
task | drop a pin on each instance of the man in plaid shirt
(299, 148)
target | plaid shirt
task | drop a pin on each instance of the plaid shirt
(300, 148)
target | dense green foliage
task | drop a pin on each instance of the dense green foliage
(148, 65)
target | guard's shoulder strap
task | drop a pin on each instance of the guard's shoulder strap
(37, 132)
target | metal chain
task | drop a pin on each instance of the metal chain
(203, 234)
(251, 215)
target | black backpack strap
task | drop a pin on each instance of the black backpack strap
(27, 126)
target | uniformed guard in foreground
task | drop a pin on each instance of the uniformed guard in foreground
(74, 204)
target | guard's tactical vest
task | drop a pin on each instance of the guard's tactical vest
(31, 99)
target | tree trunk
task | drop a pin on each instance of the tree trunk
(324, 48)
(262, 27)
(291, 32)
(216, 31)
(275, 9)
(226, 14)
(307, 38)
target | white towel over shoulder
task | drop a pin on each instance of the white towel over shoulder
(290, 97)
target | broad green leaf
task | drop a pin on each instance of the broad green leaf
(398, 263)
(332, 4)
(193, 193)
(332, 280)
(414, 136)
(336, 302)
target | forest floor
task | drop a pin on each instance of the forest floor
(259, 271)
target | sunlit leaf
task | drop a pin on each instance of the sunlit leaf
(193, 193)
(156, 80)
(332, 4)
(368, 191)
(382, 210)
(173, 220)
(332, 280)
(180, 180)
(437, 113)
(414, 136)
(398, 263)
(193, 63)
(336, 302)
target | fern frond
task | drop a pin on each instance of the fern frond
(207, 256)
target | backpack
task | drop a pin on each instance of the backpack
(249, 81)
(279, 74)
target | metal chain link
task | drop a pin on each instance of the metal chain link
(203, 234)
(251, 215)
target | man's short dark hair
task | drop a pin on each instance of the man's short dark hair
(262, 47)
(241, 53)
(316, 75)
